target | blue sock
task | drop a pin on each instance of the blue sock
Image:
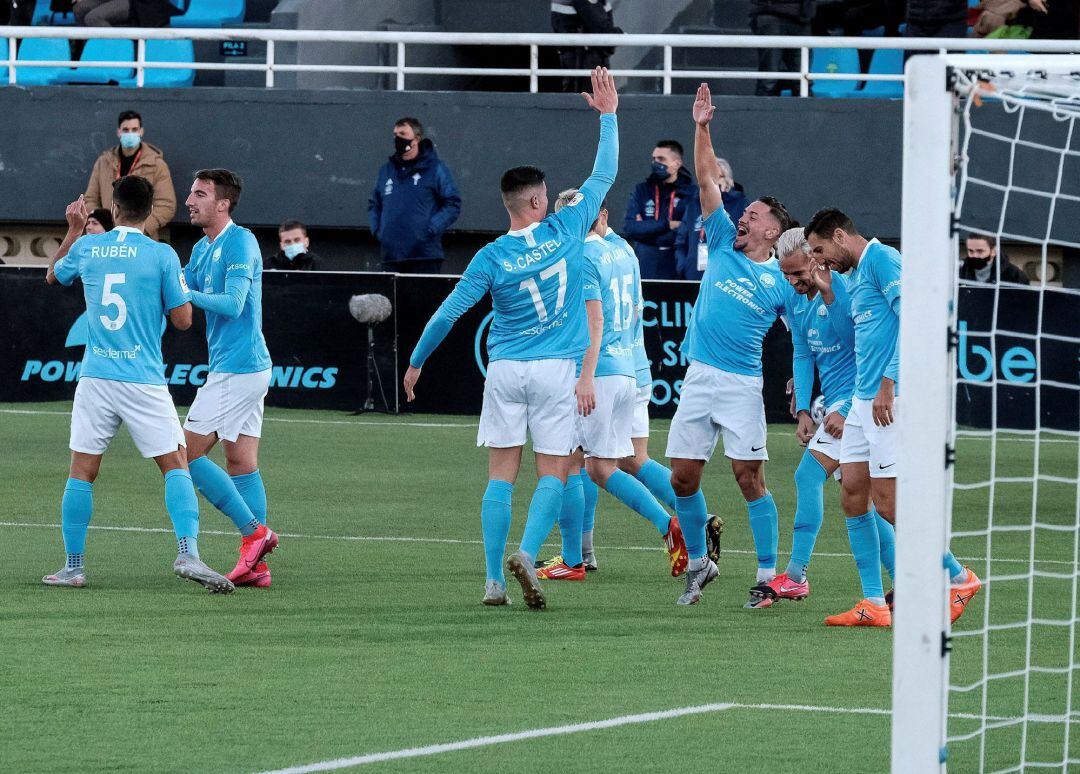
(183, 506)
(250, 486)
(956, 570)
(657, 478)
(763, 525)
(863, 534)
(570, 520)
(693, 513)
(218, 488)
(886, 544)
(495, 523)
(592, 494)
(632, 493)
(810, 479)
(543, 511)
(75, 511)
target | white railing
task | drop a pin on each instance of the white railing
(401, 40)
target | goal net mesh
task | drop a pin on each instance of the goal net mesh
(1015, 510)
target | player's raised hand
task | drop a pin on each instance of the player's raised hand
(822, 279)
(703, 106)
(412, 375)
(76, 215)
(604, 97)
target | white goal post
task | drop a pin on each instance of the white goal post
(1013, 703)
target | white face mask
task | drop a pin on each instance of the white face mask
(293, 250)
(130, 140)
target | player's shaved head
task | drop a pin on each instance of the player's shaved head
(520, 186)
(133, 198)
(778, 211)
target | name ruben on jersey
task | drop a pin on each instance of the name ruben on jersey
(113, 251)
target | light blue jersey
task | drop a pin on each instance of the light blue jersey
(875, 308)
(613, 278)
(225, 277)
(642, 366)
(534, 276)
(737, 304)
(823, 336)
(129, 282)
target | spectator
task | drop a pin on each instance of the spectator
(99, 221)
(656, 209)
(414, 202)
(936, 19)
(17, 12)
(133, 157)
(295, 253)
(981, 264)
(124, 13)
(583, 16)
(779, 17)
(690, 254)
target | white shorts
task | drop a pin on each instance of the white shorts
(715, 402)
(230, 405)
(146, 409)
(605, 433)
(525, 398)
(640, 427)
(822, 442)
(864, 441)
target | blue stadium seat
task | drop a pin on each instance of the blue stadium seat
(835, 60)
(210, 13)
(167, 51)
(885, 62)
(43, 14)
(105, 50)
(42, 50)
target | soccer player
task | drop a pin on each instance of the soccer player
(130, 284)
(868, 447)
(613, 283)
(823, 338)
(534, 275)
(741, 296)
(225, 276)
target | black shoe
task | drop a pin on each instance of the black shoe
(889, 599)
(714, 528)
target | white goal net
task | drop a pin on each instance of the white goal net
(991, 413)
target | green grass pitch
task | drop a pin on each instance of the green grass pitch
(372, 638)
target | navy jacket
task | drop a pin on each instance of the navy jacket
(646, 223)
(691, 231)
(412, 205)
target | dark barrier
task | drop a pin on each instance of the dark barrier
(320, 352)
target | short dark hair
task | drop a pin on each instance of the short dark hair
(672, 145)
(127, 115)
(826, 221)
(414, 123)
(990, 241)
(133, 197)
(289, 225)
(227, 184)
(517, 178)
(778, 211)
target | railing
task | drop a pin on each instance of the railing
(400, 40)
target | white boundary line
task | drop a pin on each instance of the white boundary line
(574, 728)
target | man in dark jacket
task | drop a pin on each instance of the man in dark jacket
(414, 202)
(779, 17)
(295, 249)
(981, 263)
(593, 17)
(656, 208)
(936, 19)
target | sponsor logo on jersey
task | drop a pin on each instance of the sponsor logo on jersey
(767, 280)
(822, 311)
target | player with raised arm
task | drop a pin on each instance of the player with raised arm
(538, 335)
(130, 284)
(742, 294)
(823, 339)
(869, 444)
(613, 283)
(225, 275)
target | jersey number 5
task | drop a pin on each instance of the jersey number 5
(111, 298)
(534, 289)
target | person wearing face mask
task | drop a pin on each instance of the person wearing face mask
(414, 201)
(656, 210)
(981, 263)
(133, 156)
(295, 253)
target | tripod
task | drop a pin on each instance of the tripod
(373, 377)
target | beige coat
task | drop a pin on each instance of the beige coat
(149, 164)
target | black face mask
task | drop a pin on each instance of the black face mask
(977, 264)
(658, 172)
(401, 145)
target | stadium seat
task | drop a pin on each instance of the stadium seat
(43, 14)
(210, 13)
(885, 62)
(105, 50)
(42, 50)
(835, 60)
(167, 51)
